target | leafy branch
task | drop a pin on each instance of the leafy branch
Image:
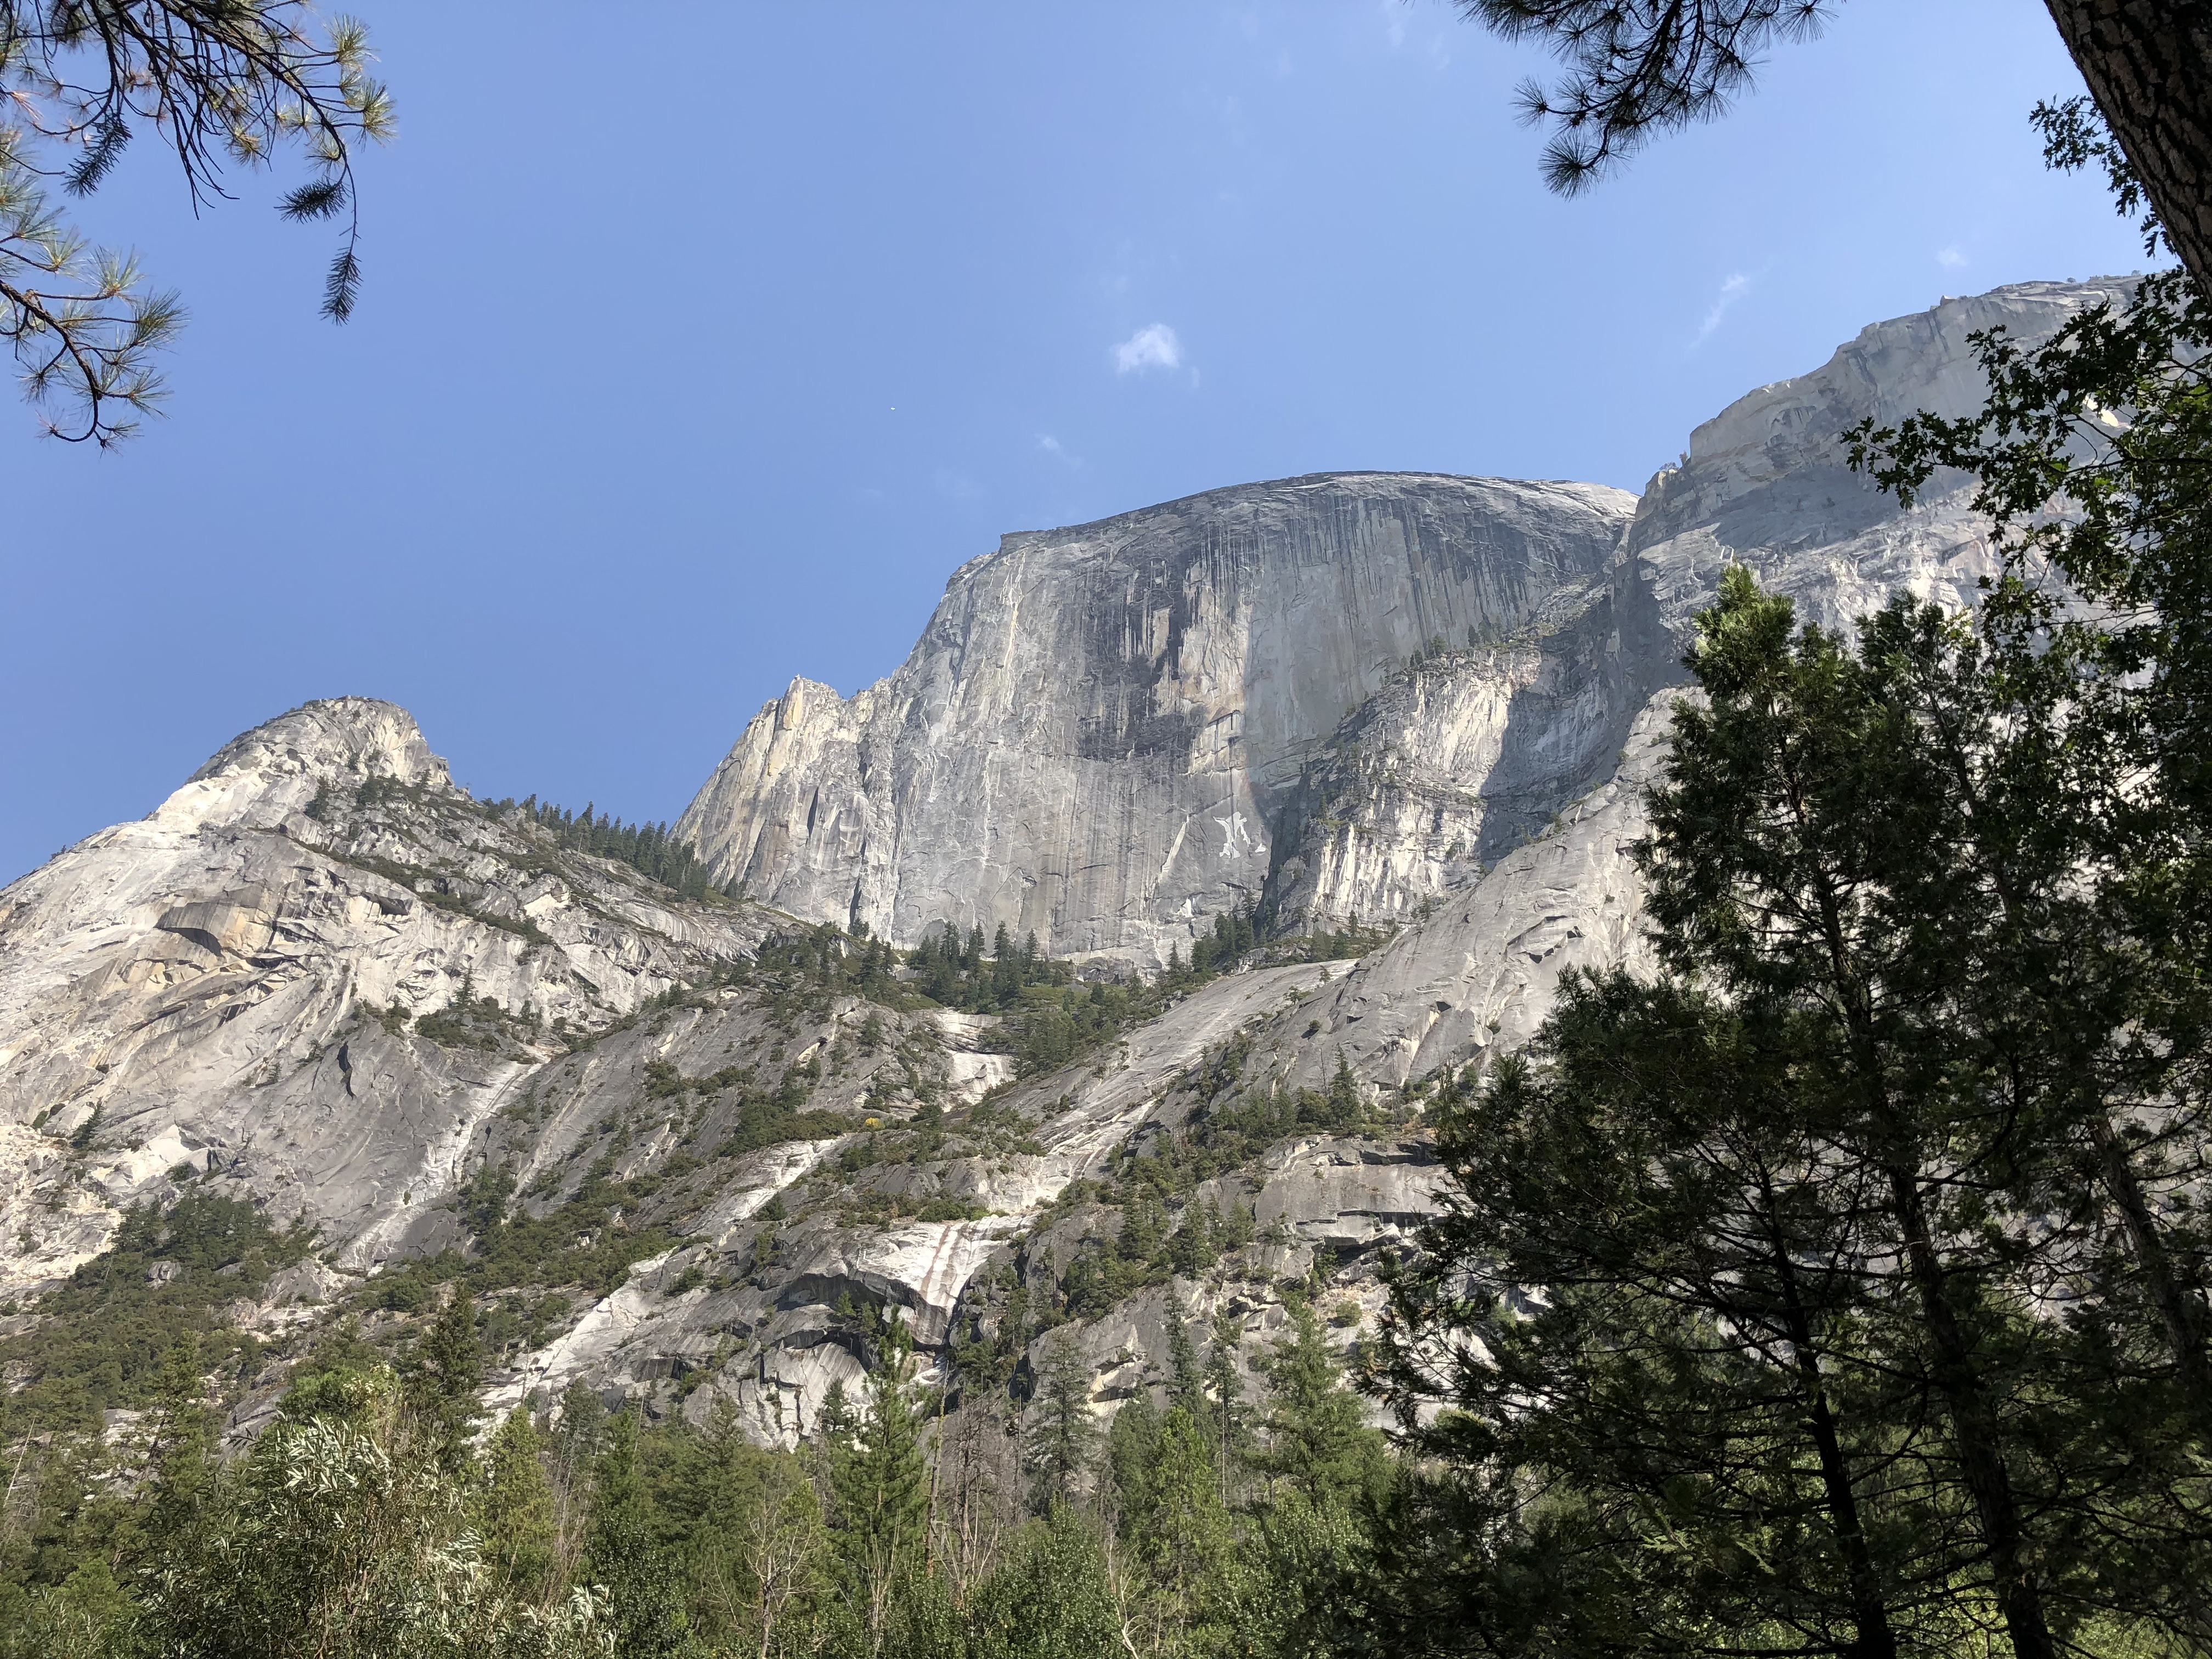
(222, 84)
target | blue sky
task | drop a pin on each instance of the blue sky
(694, 358)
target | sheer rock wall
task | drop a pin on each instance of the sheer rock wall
(1103, 729)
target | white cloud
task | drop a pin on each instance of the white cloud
(1057, 450)
(1153, 346)
(1950, 259)
(1733, 289)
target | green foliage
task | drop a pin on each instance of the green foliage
(957, 975)
(1055, 1025)
(765, 1117)
(443, 1382)
(104, 1332)
(208, 82)
(745, 1527)
(1058, 1448)
(878, 1486)
(1234, 936)
(822, 963)
(1164, 1230)
(1293, 1590)
(1761, 1256)
(360, 1524)
(1633, 71)
(86, 1616)
(515, 1512)
(335, 1537)
(1171, 1516)
(1051, 1597)
(625, 1554)
(1317, 1441)
(649, 848)
(476, 1022)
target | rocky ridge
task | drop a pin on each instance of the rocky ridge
(324, 977)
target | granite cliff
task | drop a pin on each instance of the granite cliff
(325, 978)
(1108, 734)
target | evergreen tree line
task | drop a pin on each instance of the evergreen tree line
(374, 1516)
(1238, 933)
(1052, 1020)
(954, 974)
(651, 848)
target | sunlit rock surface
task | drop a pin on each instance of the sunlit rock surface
(194, 989)
(1102, 732)
(1432, 703)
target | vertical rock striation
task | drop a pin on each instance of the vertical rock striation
(1105, 729)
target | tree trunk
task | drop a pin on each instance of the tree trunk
(2179, 1306)
(2149, 65)
(1875, 1640)
(1973, 1429)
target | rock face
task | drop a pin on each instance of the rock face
(1764, 482)
(1329, 696)
(1430, 703)
(1105, 731)
(194, 988)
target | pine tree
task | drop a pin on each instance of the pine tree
(1795, 1245)
(623, 1554)
(1186, 1389)
(1005, 970)
(181, 1448)
(1634, 70)
(1187, 1534)
(514, 1509)
(880, 1487)
(1694, 1366)
(1810, 854)
(1059, 1444)
(1342, 1105)
(1223, 1385)
(443, 1384)
(1051, 1597)
(1316, 1438)
(1236, 1227)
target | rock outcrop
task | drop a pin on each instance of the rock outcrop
(1103, 731)
(206, 987)
(1433, 704)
